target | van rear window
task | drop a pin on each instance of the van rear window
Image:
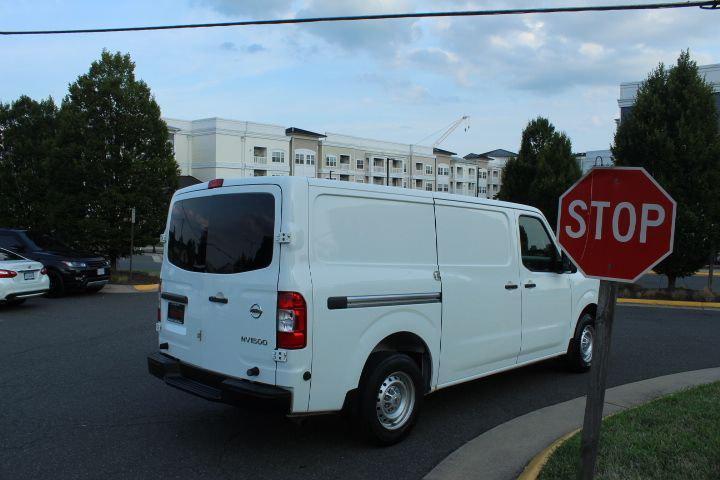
(230, 233)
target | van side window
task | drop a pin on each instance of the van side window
(230, 233)
(536, 247)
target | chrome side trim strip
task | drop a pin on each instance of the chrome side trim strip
(362, 301)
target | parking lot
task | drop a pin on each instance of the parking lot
(76, 400)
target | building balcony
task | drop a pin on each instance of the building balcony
(259, 160)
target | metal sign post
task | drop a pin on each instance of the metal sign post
(598, 375)
(132, 239)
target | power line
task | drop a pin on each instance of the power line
(708, 4)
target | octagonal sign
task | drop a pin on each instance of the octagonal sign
(616, 223)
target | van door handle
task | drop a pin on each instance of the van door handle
(510, 286)
(530, 285)
(218, 299)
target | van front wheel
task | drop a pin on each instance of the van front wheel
(390, 397)
(580, 353)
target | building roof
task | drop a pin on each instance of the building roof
(300, 131)
(443, 152)
(476, 156)
(500, 152)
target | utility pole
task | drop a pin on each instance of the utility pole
(132, 239)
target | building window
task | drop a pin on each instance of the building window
(299, 159)
(404, 184)
(345, 159)
(278, 157)
(331, 161)
(428, 169)
(311, 159)
(495, 188)
(259, 173)
(495, 174)
(471, 172)
(428, 187)
(483, 174)
(419, 167)
(459, 172)
(360, 180)
(360, 163)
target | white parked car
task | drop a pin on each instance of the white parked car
(325, 295)
(21, 278)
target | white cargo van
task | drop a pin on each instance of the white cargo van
(325, 295)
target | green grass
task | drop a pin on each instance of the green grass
(674, 437)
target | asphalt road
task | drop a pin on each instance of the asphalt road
(76, 400)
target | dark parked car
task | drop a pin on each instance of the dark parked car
(68, 268)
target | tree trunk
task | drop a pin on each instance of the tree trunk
(114, 262)
(671, 282)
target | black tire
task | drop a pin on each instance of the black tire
(576, 361)
(402, 382)
(57, 285)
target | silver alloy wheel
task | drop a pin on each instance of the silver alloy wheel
(395, 400)
(587, 338)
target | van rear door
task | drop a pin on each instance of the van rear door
(222, 260)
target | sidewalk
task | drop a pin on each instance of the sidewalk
(503, 452)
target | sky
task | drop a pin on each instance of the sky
(395, 80)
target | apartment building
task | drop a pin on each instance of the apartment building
(456, 174)
(364, 160)
(628, 90)
(221, 148)
(491, 165)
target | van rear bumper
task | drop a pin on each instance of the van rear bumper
(215, 387)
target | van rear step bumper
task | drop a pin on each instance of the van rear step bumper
(215, 387)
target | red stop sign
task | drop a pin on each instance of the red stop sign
(616, 223)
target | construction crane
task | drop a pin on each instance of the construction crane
(448, 130)
(445, 133)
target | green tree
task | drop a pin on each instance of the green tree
(27, 147)
(116, 155)
(672, 131)
(544, 168)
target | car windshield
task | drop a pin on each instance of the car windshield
(43, 241)
(8, 255)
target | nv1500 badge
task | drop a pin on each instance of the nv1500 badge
(253, 340)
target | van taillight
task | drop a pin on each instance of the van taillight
(291, 321)
(10, 274)
(215, 183)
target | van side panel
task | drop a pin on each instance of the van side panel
(477, 256)
(365, 244)
(295, 277)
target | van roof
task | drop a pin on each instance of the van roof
(291, 181)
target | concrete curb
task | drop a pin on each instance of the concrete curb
(503, 452)
(668, 303)
(114, 288)
(535, 466)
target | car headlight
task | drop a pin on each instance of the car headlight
(75, 264)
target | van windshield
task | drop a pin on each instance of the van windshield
(230, 233)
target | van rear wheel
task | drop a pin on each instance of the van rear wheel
(390, 397)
